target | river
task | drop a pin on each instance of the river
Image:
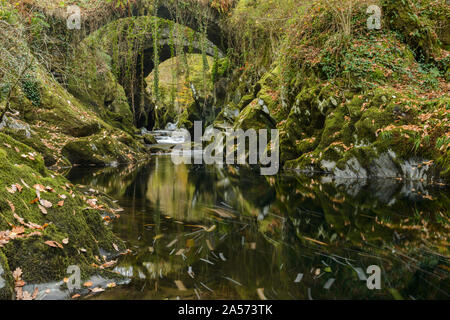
(226, 232)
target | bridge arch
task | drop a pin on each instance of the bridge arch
(129, 43)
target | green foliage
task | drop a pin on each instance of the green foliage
(386, 135)
(30, 87)
(38, 24)
(4, 90)
(429, 76)
(220, 68)
(417, 31)
(442, 141)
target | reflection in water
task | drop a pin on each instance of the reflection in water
(227, 232)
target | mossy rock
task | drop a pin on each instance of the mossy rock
(35, 142)
(58, 116)
(253, 117)
(149, 139)
(194, 112)
(6, 279)
(227, 115)
(92, 81)
(268, 91)
(245, 101)
(418, 32)
(102, 149)
(84, 229)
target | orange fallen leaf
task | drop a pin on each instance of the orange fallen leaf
(39, 187)
(54, 244)
(18, 230)
(11, 205)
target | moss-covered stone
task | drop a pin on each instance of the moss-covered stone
(6, 279)
(418, 32)
(253, 117)
(245, 101)
(92, 81)
(102, 149)
(84, 228)
(149, 139)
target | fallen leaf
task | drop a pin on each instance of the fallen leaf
(190, 243)
(88, 284)
(11, 205)
(24, 183)
(172, 243)
(208, 243)
(39, 187)
(35, 293)
(11, 190)
(45, 203)
(159, 236)
(43, 210)
(18, 230)
(17, 274)
(180, 285)
(54, 244)
(260, 292)
(108, 264)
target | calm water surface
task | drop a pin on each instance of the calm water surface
(229, 233)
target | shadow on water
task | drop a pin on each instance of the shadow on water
(205, 232)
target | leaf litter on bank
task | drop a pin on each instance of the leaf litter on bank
(18, 287)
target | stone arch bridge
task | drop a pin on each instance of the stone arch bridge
(125, 48)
